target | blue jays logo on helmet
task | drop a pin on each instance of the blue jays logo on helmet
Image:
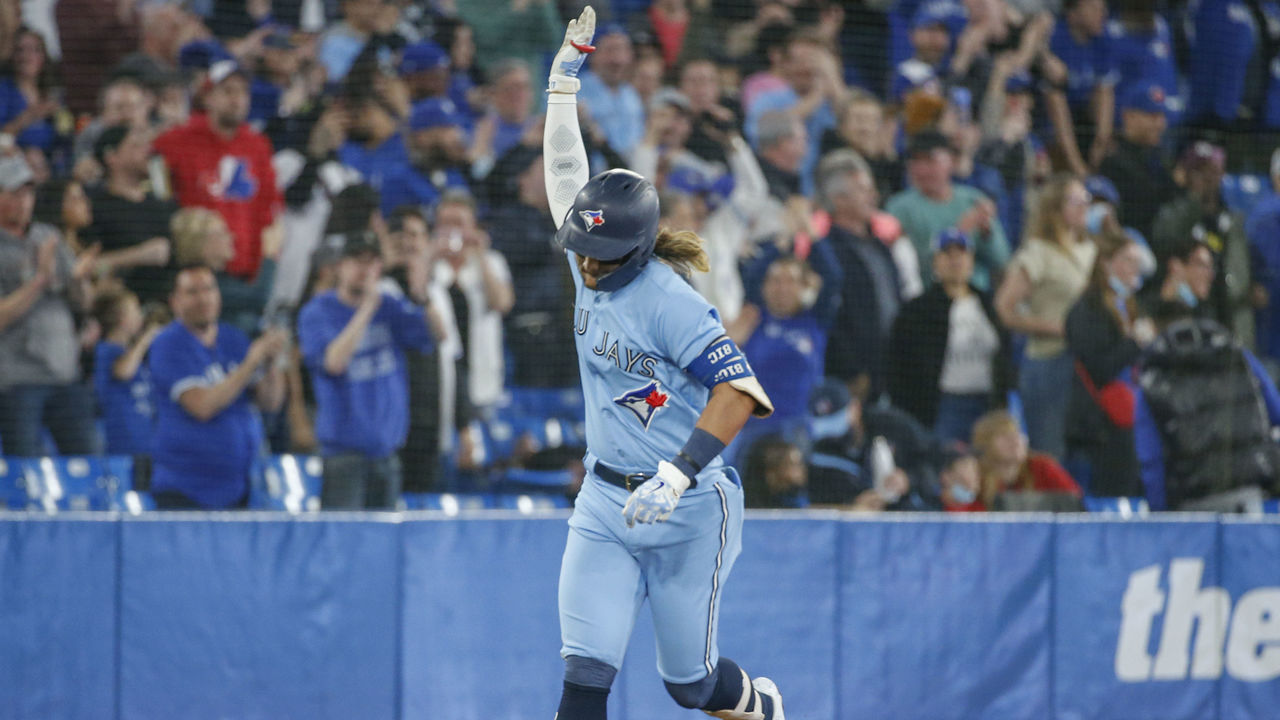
(645, 401)
(591, 218)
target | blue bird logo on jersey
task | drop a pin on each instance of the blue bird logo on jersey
(591, 218)
(644, 401)
(234, 181)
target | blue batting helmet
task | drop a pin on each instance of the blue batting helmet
(614, 217)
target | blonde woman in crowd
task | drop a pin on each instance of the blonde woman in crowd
(1043, 280)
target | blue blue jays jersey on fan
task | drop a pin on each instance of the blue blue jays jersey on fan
(1146, 56)
(125, 405)
(1088, 65)
(208, 461)
(365, 409)
(1223, 36)
(634, 344)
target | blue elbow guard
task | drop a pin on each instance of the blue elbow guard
(722, 361)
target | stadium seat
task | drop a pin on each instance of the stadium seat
(1242, 192)
(530, 504)
(1271, 507)
(71, 482)
(290, 483)
(13, 490)
(448, 503)
(566, 403)
(1125, 507)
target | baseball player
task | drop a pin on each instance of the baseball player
(660, 515)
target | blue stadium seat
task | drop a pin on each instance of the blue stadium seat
(1271, 507)
(1242, 192)
(530, 504)
(13, 489)
(71, 482)
(1125, 507)
(290, 483)
(449, 503)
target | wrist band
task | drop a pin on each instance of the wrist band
(702, 448)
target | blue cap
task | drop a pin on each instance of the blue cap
(827, 405)
(695, 181)
(1144, 96)
(952, 237)
(434, 113)
(201, 54)
(1101, 188)
(933, 13)
(280, 38)
(424, 55)
(1018, 82)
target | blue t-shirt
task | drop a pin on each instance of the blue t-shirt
(619, 112)
(634, 344)
(12, 102)
(388, 170)
(1146, 57)
(366, 409)
(787, 354)
(1088, 65)
(125, 406)
(264, 100)
(1223, 36)
(208, 461)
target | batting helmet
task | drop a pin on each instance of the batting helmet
(614, 217)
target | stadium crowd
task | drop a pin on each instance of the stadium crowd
(982, 254)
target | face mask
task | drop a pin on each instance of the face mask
(1122, 291)
(962, 495)
(1094, 216)
(1186, 296)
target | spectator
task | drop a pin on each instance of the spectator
(1136, 165)
(218, 162)
(774, 32)
(455, 36)
(1263, 230)
(870, 291)
(438, 151)
(1187, 273)
(1044, 279)
(353, 340)
(775, 475)
(646, 77)
(275, 90)
(949, 358)
(815, 87)
(504, 29)
(424, 68)
(29, 101)
(1006, 466)
(714, 114)
(121, 379)
(862, 127)
(1216, 411)
(1104, 338)
(123, 101)
(341, 42)
(1202, 213)
(207, 435)
(1142, 54)
(63, 205)
(42, 285)
(786, 341)
(200, 237)
(131, 224)
(376, 148)
(537, 330)
(934, 203)
(961, 480)
(511, 115)
(1009, 148)
(1082, 109)
(780, 143)
(931, 45)
(679, 27)
(606, 90)
(867, 456)
(165, 29)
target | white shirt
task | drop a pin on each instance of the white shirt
(972, 343)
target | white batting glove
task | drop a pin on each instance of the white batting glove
(656, 499)
(573, 52)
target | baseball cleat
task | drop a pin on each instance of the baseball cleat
(765, 686)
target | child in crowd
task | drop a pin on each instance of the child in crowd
(121, 380)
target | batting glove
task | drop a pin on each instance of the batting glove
(573, 52)
(656, 499)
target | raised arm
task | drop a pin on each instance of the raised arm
(564, 156)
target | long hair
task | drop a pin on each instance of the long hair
(48, 77)
(985, 431)
(1110, 243)
(682, 250)
(1047, 222)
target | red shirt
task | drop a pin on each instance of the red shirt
(670, 34)
(1046, 476)
(233, 177)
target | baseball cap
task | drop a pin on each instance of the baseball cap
(1145, 97)
(360, 243)
(1201, 154)
(421, 56)
(434, 113)
(14, 173)
(1019, 82)
(223, 69)
(952, 237)
(932, 13)
(202, 54)
(827, 405)
(280, 38)
(926, 141)
(1101, 188)
(670, 96)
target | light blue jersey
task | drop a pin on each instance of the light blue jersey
(633, 345)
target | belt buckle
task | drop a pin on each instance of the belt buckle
(639, 478)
